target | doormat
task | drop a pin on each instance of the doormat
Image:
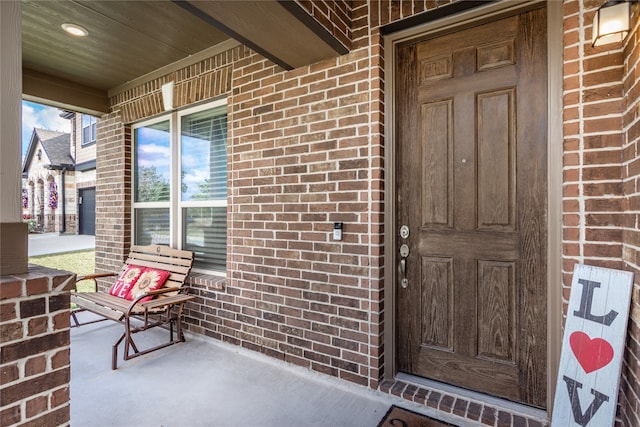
(399, 417)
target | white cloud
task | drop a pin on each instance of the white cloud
(41, 116)
(149, 148)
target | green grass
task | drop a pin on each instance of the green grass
(80, 262)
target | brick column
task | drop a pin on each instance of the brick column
(35, 349)
(113, 192)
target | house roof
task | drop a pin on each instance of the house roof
(55, 145)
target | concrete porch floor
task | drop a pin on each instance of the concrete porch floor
(203, 382)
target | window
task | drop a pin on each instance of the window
(180, 183)
(88, 129)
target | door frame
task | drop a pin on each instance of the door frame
(492, 11)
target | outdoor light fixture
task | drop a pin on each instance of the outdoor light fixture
(167, 96)
(611, 23)
(75, 30)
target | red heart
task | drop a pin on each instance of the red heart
(592, 354)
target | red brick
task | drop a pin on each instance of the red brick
(35, 365)
(9, 373)
(7, 312)
(10, 416)
(488, 416)
(10, 288)
(61, 321)
(38, 325)
(36, 406)
(38, 286)
(59, 397)
(60, 359)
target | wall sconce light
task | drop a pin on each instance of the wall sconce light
(167, 96)
(611, 22)
(39, 153)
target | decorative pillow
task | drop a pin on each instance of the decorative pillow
(150, 280)
(125, 282)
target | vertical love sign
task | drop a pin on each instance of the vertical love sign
(594, 336)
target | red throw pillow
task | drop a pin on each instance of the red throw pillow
(150, 280)
(125, 282)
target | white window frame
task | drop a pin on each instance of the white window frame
(93, 129)
(175, 203)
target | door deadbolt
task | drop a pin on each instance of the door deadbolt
(404, 251)
(404, 231)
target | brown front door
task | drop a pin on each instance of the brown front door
(472, 190)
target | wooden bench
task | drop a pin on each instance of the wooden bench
(164, 309)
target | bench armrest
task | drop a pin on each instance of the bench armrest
(93, 277)
(160, 291)
(153, 293)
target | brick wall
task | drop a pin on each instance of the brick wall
(600, 189)
(113, 193)
(34, 355)
(593, 191)
(301, 159)
(205, 80)
(630, 386)
(334, 15)
(387, 11)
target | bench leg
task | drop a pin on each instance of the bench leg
(129, 344)
(77, 322)
(75, 319)
(114, 353)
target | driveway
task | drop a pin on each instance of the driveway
(53, 243)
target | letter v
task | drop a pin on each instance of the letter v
(579, 417)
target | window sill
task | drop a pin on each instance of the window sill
(209, 281)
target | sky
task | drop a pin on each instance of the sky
(40, 116)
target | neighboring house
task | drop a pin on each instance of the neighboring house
(59, 178)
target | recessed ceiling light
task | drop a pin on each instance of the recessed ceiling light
(75, 30)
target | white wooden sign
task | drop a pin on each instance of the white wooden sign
(592, 348)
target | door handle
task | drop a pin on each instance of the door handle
(402, 266)
(402, 269)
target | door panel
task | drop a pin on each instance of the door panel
(437, 301)
(471, 176)
(496, 160)
(437, 139)
(496, 283)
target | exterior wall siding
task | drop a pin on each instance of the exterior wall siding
(305, 150)
(81, 152)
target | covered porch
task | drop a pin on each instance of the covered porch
(313, 144)
(205, 382)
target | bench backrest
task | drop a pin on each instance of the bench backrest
(177, 262)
